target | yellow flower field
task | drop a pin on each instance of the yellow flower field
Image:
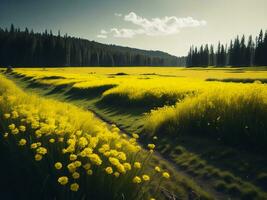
(76, 150)
(226, 106)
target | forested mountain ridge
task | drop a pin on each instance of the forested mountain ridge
(26, 48)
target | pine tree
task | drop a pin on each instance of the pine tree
(211, 56)
(218, 55)
(24, 48)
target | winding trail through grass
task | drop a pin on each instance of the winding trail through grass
(188, 180)
(157, 156)
(196, 188)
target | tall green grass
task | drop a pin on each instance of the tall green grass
(235, 115)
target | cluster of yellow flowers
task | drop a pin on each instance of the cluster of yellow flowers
(92, 148)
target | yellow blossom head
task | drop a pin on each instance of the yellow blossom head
(38, 157)
(87, 166)
(5, 135)
(58, 165)
(116, 174)
(136, 136)
(137, 165)
(127, 166)
(109, 170)
(22, 128)
(63, 180)
(6, 115)
(52, 140)
(89, 172)
(74, 187)
(146, 177)
(22, 142)
(34, 145)
(73, 157)
(137, 179)
(166, 175)
(157, 169)
(151, 146)
(71, 167)
(75, 175)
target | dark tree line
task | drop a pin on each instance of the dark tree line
(26, 48)
(238, 53)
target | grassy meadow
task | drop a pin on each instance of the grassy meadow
(137, 132)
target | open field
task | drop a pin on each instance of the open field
(210, 124)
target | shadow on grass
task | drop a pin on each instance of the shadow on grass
(239, 80)
(87, 93)
(60, 89)
(219, 164)
(115, 109)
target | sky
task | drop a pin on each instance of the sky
(167, 25)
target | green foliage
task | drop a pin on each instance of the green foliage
(228, 114)
(24, 48)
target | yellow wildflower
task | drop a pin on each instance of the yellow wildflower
(38, 157)
(151, 146)
(89, 172)
(116, 174)
(121, 168)
(15, 131)
(146, 177)
(82, 142)
(15, 114)
(71, 167)
(73, 157)
(52, 140)
(127, 166)
(137, 165)
(63, 180)
(137, 179)
(74, 187)
(34, 145)
(95, 159)
(157, 168)
(109, 170)
(77, 163)
(41, 150)
(166, 175)
(136, 136)
(122, 156)
(87, 166)
(58, 165)
(78, 133)
(113, 161)
(76, 175)
(6, 115)
(5, 135)
(22, 142)
(22, 128)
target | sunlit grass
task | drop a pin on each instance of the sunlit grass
(79, 153)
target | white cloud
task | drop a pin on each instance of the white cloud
(118, 14)
(103, 32)
(101, 36)
(155, 26)
(124, 32)
(163, 26)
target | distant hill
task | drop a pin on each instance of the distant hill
(26, 48)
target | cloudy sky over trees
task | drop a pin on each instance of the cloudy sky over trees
(169, 25)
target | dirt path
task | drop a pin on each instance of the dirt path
(202, 184)
(205, 185)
